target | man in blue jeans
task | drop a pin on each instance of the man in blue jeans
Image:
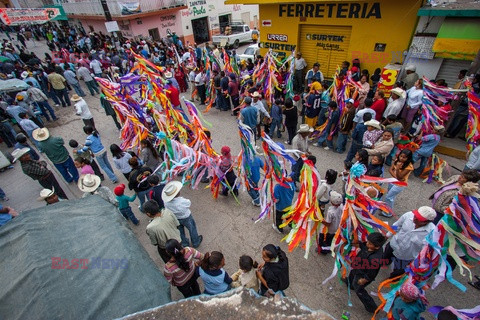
(180, 207)
(55, 151)
(429, 142)
(253, 179)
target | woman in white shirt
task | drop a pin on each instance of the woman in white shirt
(414, 101)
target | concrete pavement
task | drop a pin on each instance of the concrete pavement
(228, 227)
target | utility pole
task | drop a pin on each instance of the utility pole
(108, 16)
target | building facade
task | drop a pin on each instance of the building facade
(191, 20)
(330, 32)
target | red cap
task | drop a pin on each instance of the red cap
(119, 190)
(296, 97)
(354, 69)
(419, 217)
(225, 149)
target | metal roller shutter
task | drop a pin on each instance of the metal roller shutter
(327, 45)
(449, 70)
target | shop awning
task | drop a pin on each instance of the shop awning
(458, 39)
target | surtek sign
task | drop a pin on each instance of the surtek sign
(328, 41)
(331, 10)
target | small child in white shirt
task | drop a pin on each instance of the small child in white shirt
(323, 190)
(331, 221)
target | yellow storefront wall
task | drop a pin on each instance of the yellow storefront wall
(332, 31)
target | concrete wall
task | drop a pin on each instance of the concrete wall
(428, 67)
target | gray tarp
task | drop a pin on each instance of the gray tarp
(89, 228)
(12, 85)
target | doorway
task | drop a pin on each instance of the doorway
(154, 34)
(201, 33)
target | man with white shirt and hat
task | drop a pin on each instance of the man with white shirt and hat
(82, 110)
(180, 207)
(410, 76)
(398, 96)
(90, 184)
(412, 230)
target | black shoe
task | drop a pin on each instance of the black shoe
(235, 192)
(476, 285)
(199, 242)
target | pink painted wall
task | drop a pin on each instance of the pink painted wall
(162, 22)
(98, 25)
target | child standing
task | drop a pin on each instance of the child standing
(83, 165)
(332, 222)
(409, 304)
(246, 276)
(284, 197)
(123, 205)
(365, 268)
(215, 279)
(273, 273)
(88, 156)
(347, 165)
(181, 209)
(155, 192)
(323, 191)
(400, 170)
(180, 269)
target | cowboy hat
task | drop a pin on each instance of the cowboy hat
(410, 67)
(425, 213)
(171, 190)
(24, 74)
(256, 95)
(373, 123)
(18, 153)
(399, 92)
(304, 128)
(168, 75)
(41, 134)
(439, 127)
(76, 97)
(45, 193)
(89, 182)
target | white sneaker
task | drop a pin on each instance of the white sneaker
(255, 204)
(315, 144)
(275, 228)
(57, 105)
(326, 148)
(286, 142)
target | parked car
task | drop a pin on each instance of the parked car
(233, 36)
(250, 53)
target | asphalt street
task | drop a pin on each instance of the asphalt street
(229, 227)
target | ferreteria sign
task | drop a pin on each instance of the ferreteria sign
(353, 10)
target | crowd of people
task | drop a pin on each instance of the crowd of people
(371, 122)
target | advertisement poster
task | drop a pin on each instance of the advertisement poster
(388, 78)
(129, 7)
(20, 16)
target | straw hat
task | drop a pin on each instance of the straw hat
(168, 75)
(18, 153)
(24, 74)
(89, 182)
(399, 92)
(256, 95)
(41, 134)
(171, 190)
(304, 128)
(76, 97)
(373, 123)
(45, 193)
